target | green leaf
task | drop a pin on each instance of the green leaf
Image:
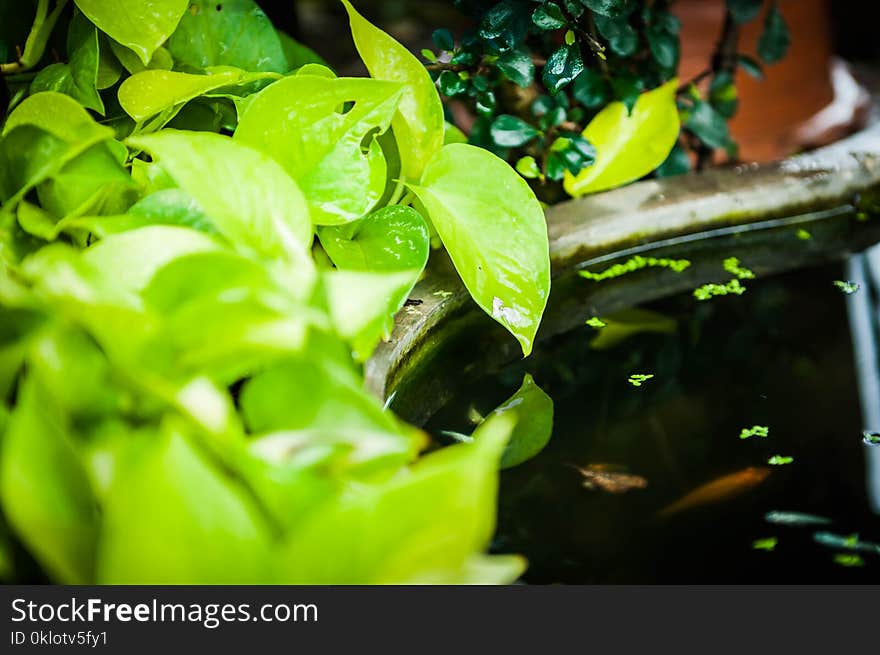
(79, 78)
(43, 134)
(497, 238)
(511, 131)
(333, 156)
(708, 125)
(443, 39)
(750, 66)
(533, 410)
(628, 146)
(424, 525)
(591, 89)
(621, 36)
(549, 16)
(664, 48)
(94, 182)
(517, 66)
(142, 25)
(564, 65)
(46, 494)
(677, 163)
(363, 305)
(744, 10)
(394, 238)
(150, 92)
(610, 8)
(528, 167)
(297, 54)
(173, 518)
(59, 115)
(336, 410)
(229, 33)
(247, 195)
(451, 84)
(775, 38)
(161, 59)
(418, 126)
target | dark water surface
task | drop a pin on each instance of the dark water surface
(778, 356)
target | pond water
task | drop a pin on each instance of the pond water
(779, 356)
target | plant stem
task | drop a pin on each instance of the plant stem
(35, 45)
(723, 61)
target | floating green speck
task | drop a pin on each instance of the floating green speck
(634, 264)
(871, 438)
(637, 379)
(596, 322)
(780, 460)
(754, 431)
(848, 559)
(732, 266)
(711, 290)
(846, 286)
(803, 235)
(765, 544)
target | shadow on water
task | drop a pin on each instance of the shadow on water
(778, 356)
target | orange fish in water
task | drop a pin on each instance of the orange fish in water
(599, 476)
(720, 489)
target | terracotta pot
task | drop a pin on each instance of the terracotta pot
(806, 100)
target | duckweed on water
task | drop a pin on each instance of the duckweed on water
(803, 235)
(637, 379)
(765, 544)
(732, 266)
(846, 559)
(846, 286)
(871, 438)
(754, 431)
(711, 290)
(596, 322)
(634, 264)
(780, 460)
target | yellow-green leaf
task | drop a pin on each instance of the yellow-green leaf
(419, 125)
(628, 146)
(496, 236)
(150, 92)
(142, 25)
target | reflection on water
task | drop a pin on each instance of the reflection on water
(778, 357)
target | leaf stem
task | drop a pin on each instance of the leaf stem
(35, 45)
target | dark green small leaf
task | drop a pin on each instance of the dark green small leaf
(542, 105)
(664, 48)
(744, 10)
(621, 37)
(552, 118)
(562, 67)
(511, 132)
(556, 166)
(677, 163)
(775, 39)
(610, 8)
(750, 66)
(708, 125)
(627, 88)
(486, 103)
(549, 17)
(451, 84)
(497, 20)
(443, 39)
(591, 89)
(518, 67)
(723, 95)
